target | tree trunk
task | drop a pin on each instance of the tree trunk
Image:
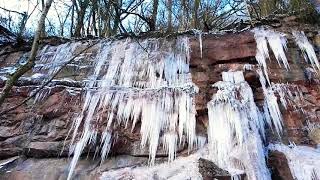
(153, 22)
(117, 18)
(94, 11)
(72, 17)
(43, 29)
(88, 27)
(79, 25)
(31, 60)
(169, 15)
(80, 19)
(22, 26)
(195, 14)
(185, 14)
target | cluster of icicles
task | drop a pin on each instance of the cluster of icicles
(236, 125)
(148, 82)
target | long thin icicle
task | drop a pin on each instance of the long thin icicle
(307, 49)
(271, 108)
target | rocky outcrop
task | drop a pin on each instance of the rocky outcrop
(278, 164)
(37, 135)
(209, 170)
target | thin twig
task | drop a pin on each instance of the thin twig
(12, 11)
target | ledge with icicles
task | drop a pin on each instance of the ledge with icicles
(148, 82)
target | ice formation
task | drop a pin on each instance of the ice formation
(307, 49)
(248, 67)
(303, 161)
(200, 44)
(289, 94)
(51, 58)
(148, 81)
(200, 142)
(181, 168)
(235, 127)
(278, 45)
(271, 108)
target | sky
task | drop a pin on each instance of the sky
(30, 5)
(58, 7)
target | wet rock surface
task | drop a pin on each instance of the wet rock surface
(38, 132)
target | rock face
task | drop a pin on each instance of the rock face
(37, 134)
(209, 170)
(279, 166)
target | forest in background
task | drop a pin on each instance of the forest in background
(105, 18)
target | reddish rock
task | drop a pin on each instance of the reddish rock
(39, 130)
(278, 164)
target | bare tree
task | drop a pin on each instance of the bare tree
(81, 11)
(62, 19)
(169, 6)
(195, 14)
(154, 15)
(23, 21)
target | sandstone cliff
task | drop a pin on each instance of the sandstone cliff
(34, 139)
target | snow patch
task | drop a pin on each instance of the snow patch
(303, 161)
(181, 168)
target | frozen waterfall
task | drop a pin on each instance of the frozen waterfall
(146, 85)
(235, 127)
(148, 81)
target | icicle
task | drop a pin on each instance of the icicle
(271, 108)
(78, 150)
(307, 49)
(200, 43)
(151, 83)
(52, 58)
(248, 67)
(170, 145)
(41, 94)
(200, 141)
(262, 51)
(106, 140)
(252, 157)
(278, 44)
(303, 161)
(234, 126)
